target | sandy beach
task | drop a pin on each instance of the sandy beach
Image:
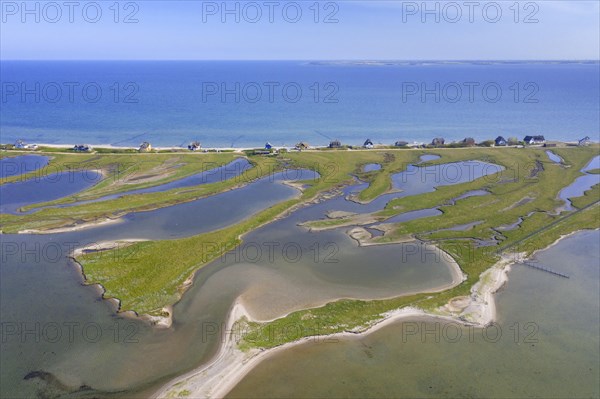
(76, 227)
(231, 365)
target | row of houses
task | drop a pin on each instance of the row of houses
(22, 145)
(368, 144)
(469, 142)
(436, 142)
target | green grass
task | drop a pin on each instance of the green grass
(589, 197)
(536, 232)
(51, 218)
(357, 315)
(122, 169)
(380, 181)
(149, 275)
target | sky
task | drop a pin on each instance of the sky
(300, 30)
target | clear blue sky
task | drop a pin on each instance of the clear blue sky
(364, 30)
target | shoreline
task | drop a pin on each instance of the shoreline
(118, 217)
(76, 227)
(230, 365)
(157, 321)
(220, 375)
(67, 147)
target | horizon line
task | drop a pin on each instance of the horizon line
(312, 60)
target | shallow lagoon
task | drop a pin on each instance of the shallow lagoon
(548, 347)
(206, 214)
(324, 266)
(229, 171)
(581, 184)
(14, 166)
(46, 187)
(155, 355)
(370, 167)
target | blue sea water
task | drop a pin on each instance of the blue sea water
(240, 104)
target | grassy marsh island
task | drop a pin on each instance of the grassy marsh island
(527, 189)
(472, 229)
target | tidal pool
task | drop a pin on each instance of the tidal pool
(469, 194)
(429, 157)
(553, 157)
(45, 188)
(230, 171)
(512, 226)
(417, 180)
(581, 184)
(208, 213)
(542, 345)
(370, 167)
(413, 215)
(14, 166)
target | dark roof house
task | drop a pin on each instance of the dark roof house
(268, 146)
(368, 143)
(534, 140)
(301, 146)
(401, 143)
(500, 141)
(194, 146)
(82, 148)
(335, 144)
